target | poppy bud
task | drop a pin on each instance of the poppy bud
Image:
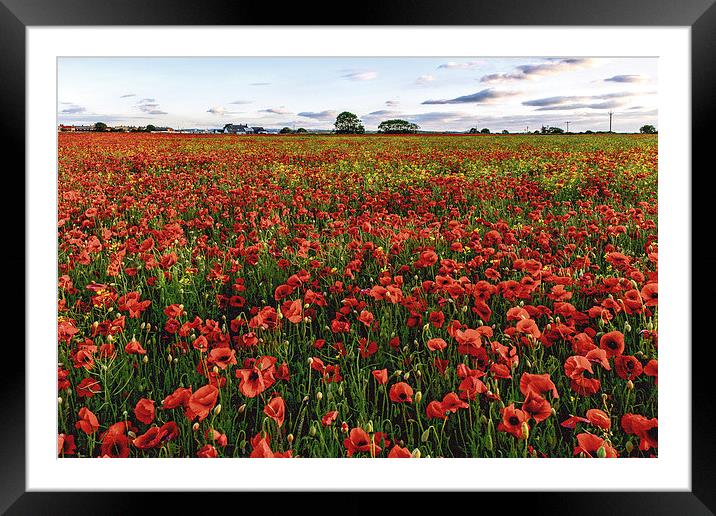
(601, 452)
(397, 373)
(627, 327)
(369, 427)
(217, 409)
(553, 412)
(215, 370)
(406, 376)
(145, 359)
(279, 315)
(110, 338)
(242, 408)
(525, 430)
(310, 361)
(142, 326)
(528, 363)
(149, 326)
(344, 427)
(464, 308)
(59, 400)
(340, 389)
(650, 325)
(195, 427)
(306, 398)
(418, 397)
(169, 358)
(289, 438)
(629, 446)
(319, 395)
(416, 453)
(425, 436)
(630, 385)
(488, 442)
(176, 360)
(312, 431)
(600, 322)
(557, 320)
(405, 349)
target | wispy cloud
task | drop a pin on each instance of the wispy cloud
(127, 95)
(319, 115)
(627, 78)
(453, 65)
(532, 71)
(360, 75)
(392, 103)
(259, 84)
(150, 107)
(276, 111)
(481, 97)
(73, 109)
(569, 102)
(424, 79)
(242, 102)
(219, 111)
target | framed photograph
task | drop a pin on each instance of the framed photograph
(420, 233)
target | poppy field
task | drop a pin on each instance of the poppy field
(357, 296)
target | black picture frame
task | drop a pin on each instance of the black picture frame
(17, 15)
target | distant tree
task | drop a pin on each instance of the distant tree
(551, 130)
(150, 128)
(535, 132)
(348, 123)
(505, 131)
(397, 126)
(647, 129)
(588, 132)
(301, 130)
(473, 130)
(485, 130)
(100, 126)
(285, 130)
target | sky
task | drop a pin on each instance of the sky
(438, 94)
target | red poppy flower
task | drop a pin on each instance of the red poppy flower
(66, 444)
(399, 453)
(435, 410)
(358, 441)
(401, 392)
(178, 398)
(133, 347)
(451, 403)
(88, 387)
(575, 367)
(590, 445)
(539, 384)
(329, 418)
(381, 376)
(257, 378)
(201, 402)
(627, 367)
(612, 343)
(207, 452)
(514, 421)
(276, 409)
(650, 294)
(599, 418)
(88, 421)
(537, 407)
(222, 357)
(652, 369)
(436, 344)
(144, 411)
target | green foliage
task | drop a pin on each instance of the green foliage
(348, 123)
(397, 126)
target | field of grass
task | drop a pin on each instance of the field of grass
(384, 296)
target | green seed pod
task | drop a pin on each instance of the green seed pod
(601, 452)
(629, 446)
(425, 435)
(488, 442)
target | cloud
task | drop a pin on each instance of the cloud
(150, 107)
(73, 109)
(217, 110)
(563, 103)
(627, 78)
(127, 95)
(452, 65)
(424, 79)
(319, 115)
(259, 84)
(392, 103)
(276, 111)
(532, 71)
(242, 102)
(481, 97)
(365, 75)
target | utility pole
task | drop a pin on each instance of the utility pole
(567, 126)
(610, 121)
